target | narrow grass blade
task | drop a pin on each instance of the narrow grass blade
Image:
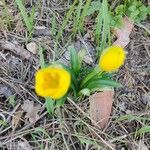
(84, 13)
(144, 129)
(24, 15)
(94, 72)
(77, 18)
(7, 14)
(42, 61)
(98, 28)
(106, 24)
(74, 60)
(61, 101)
(53, 25)
(68, 15)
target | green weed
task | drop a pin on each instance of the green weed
(84, 14)
(28, 19)
(12, 100)
(66, 19)
(102, 27)
(135, 10)
(6, 18)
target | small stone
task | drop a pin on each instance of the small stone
(32, 47)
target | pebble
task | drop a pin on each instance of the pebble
(32, 47)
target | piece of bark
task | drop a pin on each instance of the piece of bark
(18, 50)
(123, 33)
(100, 107)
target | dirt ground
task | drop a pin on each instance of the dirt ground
(72, 129)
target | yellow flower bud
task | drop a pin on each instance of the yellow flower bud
(52, 82)
(112, 58)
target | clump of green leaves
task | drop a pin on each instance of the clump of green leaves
(84, 80)
(135, 10)
(94, 81)
(95, 6)
(117, 16)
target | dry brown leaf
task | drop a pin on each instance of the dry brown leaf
(15, 48)
(100, 107)
(123, 33)
(16, 119)
(31, 110)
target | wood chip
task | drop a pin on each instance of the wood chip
(100, 107)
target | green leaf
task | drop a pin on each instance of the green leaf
(24, 14)
(144, 129)
(84, 13)
(81, 56)
(95, 6)
(77, 17)
(85, 92)
(42, 61)
(74, 60)
(132, 8)
(74, 85)
(98, 83)
(54, 25)
(148, 10)
(128, 117)
(119, 9)
(94, 72)
(31, 17)
(42, 130)
(3, 123)
(98, 27)
(12, 101)
(66, 19)
(61, 101)
(106, 24)
(88, 141)
(117, 21)
(49, 103)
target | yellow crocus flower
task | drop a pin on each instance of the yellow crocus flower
(52, 82)
(112, 58)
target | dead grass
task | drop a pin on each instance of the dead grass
(71, 127)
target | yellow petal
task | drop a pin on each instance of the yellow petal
(52, 82)
(112, 58)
